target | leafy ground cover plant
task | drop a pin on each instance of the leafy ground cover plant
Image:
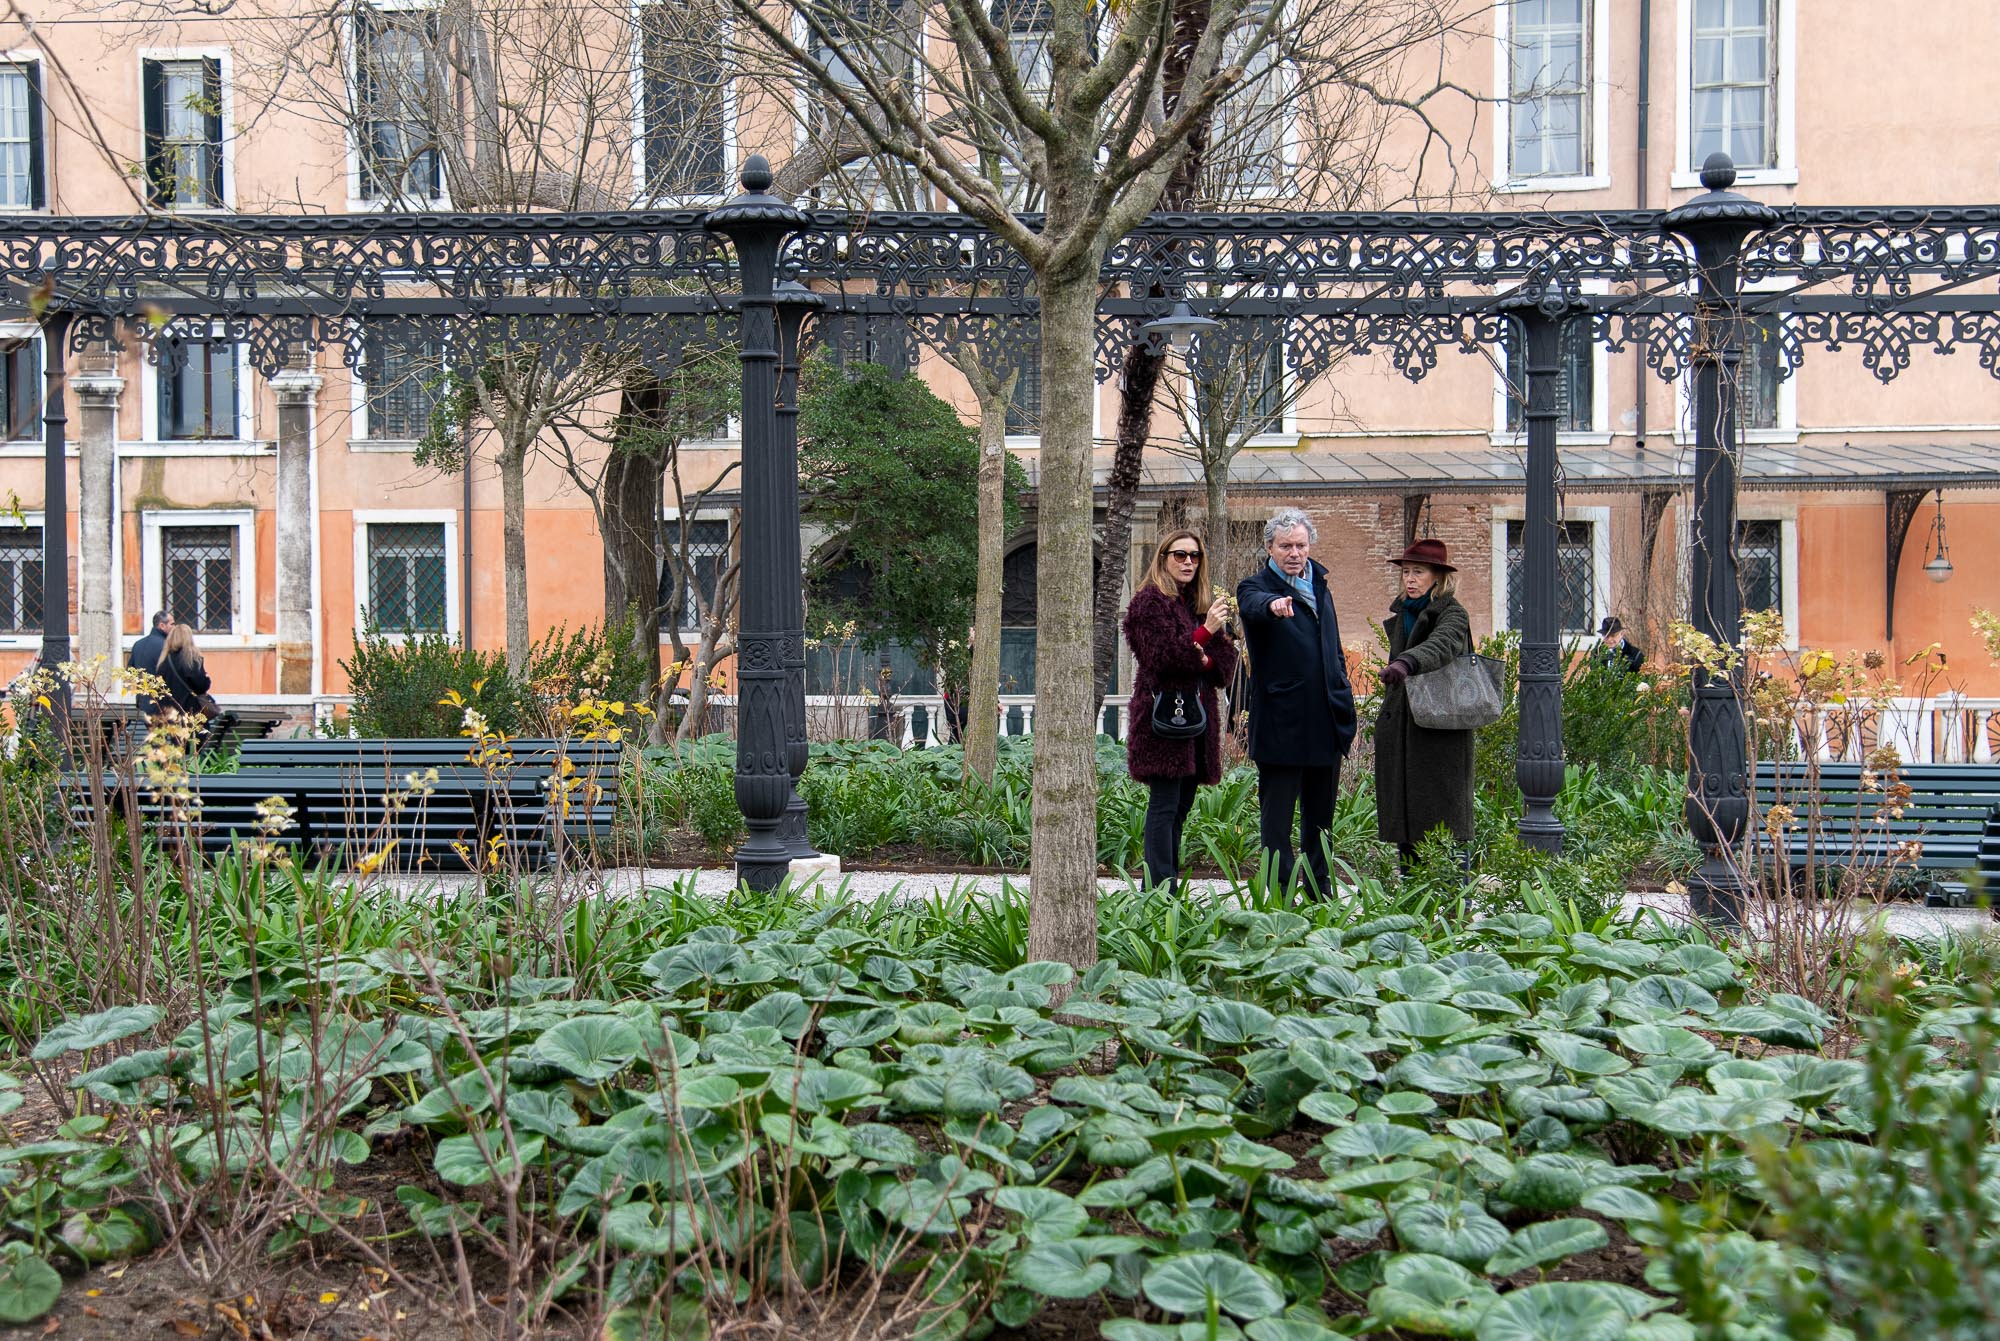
(1265, 1124)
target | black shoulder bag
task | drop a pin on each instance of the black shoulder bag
(1178, 715)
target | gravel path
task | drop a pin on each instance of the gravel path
(1906, 921)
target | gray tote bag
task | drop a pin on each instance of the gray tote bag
(1461, 695)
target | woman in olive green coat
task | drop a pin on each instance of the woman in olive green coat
(1423, 778)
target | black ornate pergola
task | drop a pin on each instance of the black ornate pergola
(756, 271)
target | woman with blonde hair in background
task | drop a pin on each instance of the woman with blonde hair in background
(1179, 636)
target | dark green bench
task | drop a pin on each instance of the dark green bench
(339, 792)
(1952, 811)
(124, 729)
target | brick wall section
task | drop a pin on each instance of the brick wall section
(1360, 533)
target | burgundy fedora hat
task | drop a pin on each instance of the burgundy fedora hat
(1427, 551)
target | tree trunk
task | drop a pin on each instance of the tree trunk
(628, 511)
(982, 722)
(1215, 528)
(1062, 908)
(1121, 493)
(514, 547)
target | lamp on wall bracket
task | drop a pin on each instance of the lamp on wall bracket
(1938, 566)
(1180, 327)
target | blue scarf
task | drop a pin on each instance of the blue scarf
(1411, 609)
(1302, 584)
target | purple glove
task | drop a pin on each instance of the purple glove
(1395, 672)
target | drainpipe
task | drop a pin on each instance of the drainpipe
(465, 537)
(1645, 127)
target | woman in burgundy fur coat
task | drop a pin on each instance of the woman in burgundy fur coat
(1177, 647)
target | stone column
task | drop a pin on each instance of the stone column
(97, 386)
(298, 396)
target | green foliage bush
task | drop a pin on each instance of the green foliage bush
(399, 682)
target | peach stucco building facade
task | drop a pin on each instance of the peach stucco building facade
(1821, 101)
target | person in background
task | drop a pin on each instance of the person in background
(1301, 705)
(1423, 778)
(1617, 651)
(186, 678)
(1180, 641)
(145, 656)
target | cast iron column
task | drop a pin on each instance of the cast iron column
(1718, 806)
(795, 302)
(55, 518)
(1538, 750)
(758, 223)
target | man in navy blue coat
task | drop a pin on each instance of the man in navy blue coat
(1301, 705)
(145, 656)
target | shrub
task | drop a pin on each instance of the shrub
(398, 683)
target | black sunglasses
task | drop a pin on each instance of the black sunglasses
(1184, 554)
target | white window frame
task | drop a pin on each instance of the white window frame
(1686, 173)
(366, 440)
(1599, 434)
(358, 201)
(20, 641)
(1032, 442)
(30, 331)
(672, 517)
(731, 160)
(366, 517)
(1598, 178)
(226, 74)
(1750, 508)
(1284, 81)
(1600, 562)
(1788, 396)
(242, 621)
(26, 58)
(152, 443)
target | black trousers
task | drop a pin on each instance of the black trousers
(1166, 819)
(1283, 789)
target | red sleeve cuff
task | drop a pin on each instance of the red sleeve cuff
(1202, 633)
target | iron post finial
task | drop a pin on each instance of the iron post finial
(757, 176)
(1718, 171)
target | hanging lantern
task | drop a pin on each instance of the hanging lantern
(1938, 567)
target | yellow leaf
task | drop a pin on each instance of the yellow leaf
(329, 1298)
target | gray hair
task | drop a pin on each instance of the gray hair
(1283, 520)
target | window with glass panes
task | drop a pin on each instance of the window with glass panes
(184, 132)
(686, 94)
(1549, 88)
(1760, 564)
(1575, 380)
(704, 543)
(198, 576)
(1024, 407)
(393, 78)
(21, 579)
(1576, 576)
(408, 585)
(1246, 153)
(21, 136)
(403, 386)
(1757, 375)
(21, 390)
(1735, 82)
(198, 396)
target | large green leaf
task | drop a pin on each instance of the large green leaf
(94, 1031)
(1190, 1282)
(1046, 1214)
(1379, 1141)
(1788, 1030)
(1549, 1182)
(29, 1287)
(787, 1012)
(674, 1229)
(1229, 1023)
(459, 1158)
(1068, 1269)
(588, 1047)
(1557, 1311)
(1378, 1180)
(1448, 1228)
(827, 1090)
(1665, 1040)
(1430, 1295)
(1580, 1056)
(929, 1022)
(1548, 1241)
(106, 1235)
(1422, 1019)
